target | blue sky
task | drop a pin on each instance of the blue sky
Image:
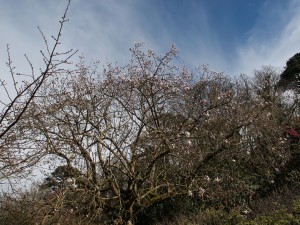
(232, 36)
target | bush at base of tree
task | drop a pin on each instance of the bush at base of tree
(279, 216)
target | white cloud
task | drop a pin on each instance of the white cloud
(277, 47)
(105, 30)
(97, 35)
(18, 28)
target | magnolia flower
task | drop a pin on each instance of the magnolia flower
(217, 179)
(207, 178)
(201, 192)
(246, 211)
(206, 114)
(187, 134)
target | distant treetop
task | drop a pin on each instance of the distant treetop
(290, 77)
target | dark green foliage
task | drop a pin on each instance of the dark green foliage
(290, 76)
(59, 177)
(279, 214)
(169, 209)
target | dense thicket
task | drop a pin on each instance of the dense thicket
(290, 76)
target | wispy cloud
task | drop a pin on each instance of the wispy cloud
(105, 30)
(272, 41)
(19, 22)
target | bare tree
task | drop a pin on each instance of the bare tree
(17, 153)
(148, 132)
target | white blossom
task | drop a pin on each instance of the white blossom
(246, 211)
(187, 134)
(207, 178)
(201, 192)
(217, 179)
